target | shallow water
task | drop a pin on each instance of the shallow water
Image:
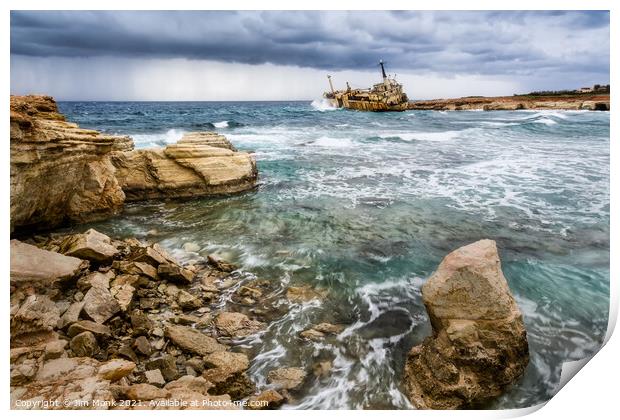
(366, 205)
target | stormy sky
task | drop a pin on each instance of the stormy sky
(270, 55)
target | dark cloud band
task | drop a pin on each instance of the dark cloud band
(442, 42)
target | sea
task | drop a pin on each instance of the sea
(366, 205)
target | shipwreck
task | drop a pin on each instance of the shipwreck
(385, 96)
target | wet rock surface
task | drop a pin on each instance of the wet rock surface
(479, 344)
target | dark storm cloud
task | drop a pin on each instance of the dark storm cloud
(442, 42)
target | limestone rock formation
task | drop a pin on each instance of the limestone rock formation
(63, 173)
(479, 344)
(199, 164)
(59, 172)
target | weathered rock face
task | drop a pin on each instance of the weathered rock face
(479, 344)
(199, 164)
(59, 172)
(63, 173)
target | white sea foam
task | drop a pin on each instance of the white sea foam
(333, 142)
(423, 136)
(546, 121)
(157, 139)
(323, 105)
(221, 124)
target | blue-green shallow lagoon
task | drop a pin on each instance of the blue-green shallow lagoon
(366, 205)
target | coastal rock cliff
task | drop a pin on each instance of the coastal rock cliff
(479, 344)
(198, 164)
(589, 102)
(59, 172)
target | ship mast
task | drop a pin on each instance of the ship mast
(330, 83)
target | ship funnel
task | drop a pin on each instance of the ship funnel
(382, 70)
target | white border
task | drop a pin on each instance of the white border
(593, 393)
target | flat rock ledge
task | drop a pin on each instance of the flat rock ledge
(479, 344)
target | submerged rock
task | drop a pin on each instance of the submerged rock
(266, 400)
(287, 378)
(235, 324)
(479, 344)
(301, 294)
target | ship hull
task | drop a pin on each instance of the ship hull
(370, 106)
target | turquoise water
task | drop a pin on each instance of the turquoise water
(366, 206)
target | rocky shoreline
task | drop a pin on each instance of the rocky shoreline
(589, 102)
(107, 323)
(111, 322)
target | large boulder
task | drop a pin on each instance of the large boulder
(59, 172)
(479, 344)
(30, 264)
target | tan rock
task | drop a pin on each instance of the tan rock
(154, 377)
(301, 294)
(235, 324)
(188, 301)
(55, 349)
(95, 279)
(84, 344)
(192, 340)
(66, 380)
(34, 321)
(479, 344)
(59, 172)
(31, 264)
(145, 392)
(99, 330)
(287, 378)
(90, 245)
(266, 400)
(225, 370)
(115, 369)
(175, 273)
(192, 383)
(123, 295)
(220, 264)
(189, 168)
(312, 334)
(100, 305)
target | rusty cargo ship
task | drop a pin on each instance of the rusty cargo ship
(385, 96)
